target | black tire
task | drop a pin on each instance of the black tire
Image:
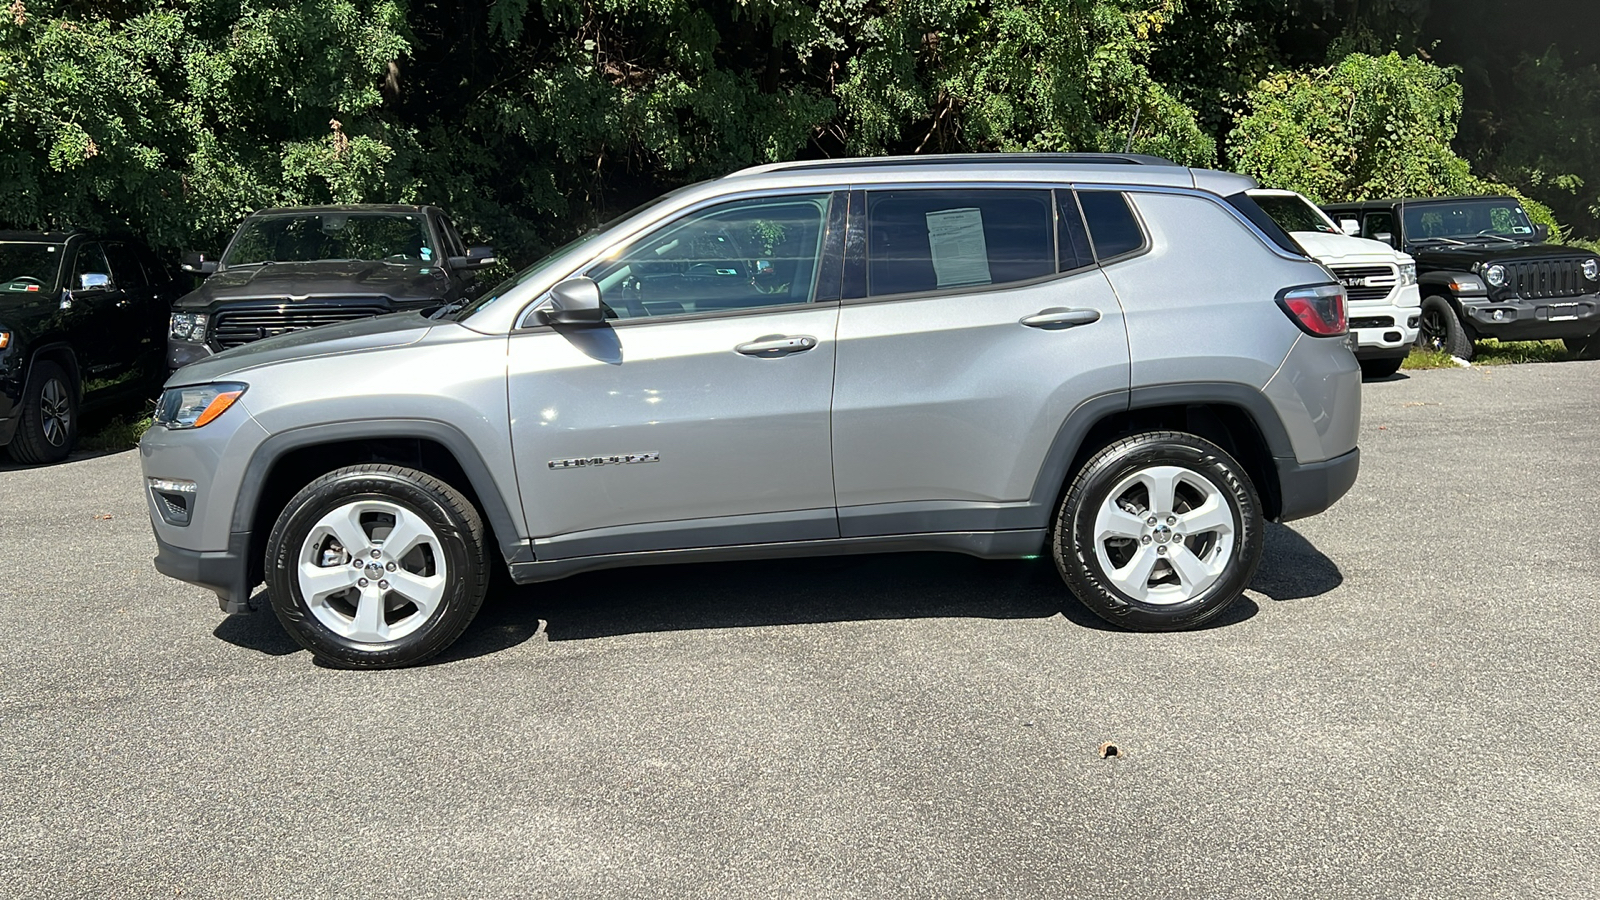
(464, 567)
(1073, 537)
(1381, 368)
(1584, 348)
(49, 426)
(1442, 329)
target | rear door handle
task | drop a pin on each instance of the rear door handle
(775, 345)
(1059, 317)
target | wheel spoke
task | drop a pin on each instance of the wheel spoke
(1213, 515)
(1134, 578)
(424, 592)
(409, 531)
(1193, 572)
(1162, 483)
(369, 625)
(317, 583)
(1115, 522)
(345, 524)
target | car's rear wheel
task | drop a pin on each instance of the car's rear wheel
(1381, 368)
(377, 566)
(1159, 532)
(49, 425)
(1441, 329)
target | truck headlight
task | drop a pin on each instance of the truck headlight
(1591, 269)
(188, 327)
(1495, 275)
(1408, 274)
(196, 405)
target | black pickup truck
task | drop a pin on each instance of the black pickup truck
(1486, 271)
(82, 318)
(294, 268)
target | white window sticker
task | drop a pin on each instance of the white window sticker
(960, 254)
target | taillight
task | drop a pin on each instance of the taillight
(1317, 310)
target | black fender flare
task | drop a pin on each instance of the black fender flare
(270, 451)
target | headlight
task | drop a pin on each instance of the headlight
(188, 327)
(1591, 269)
(1495, 275)
(1408, 274)
(196, 405)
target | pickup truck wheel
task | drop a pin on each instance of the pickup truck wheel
(1160, 531)
(49, 425)
(1381, 368)
(1441, 329)
(377, 566)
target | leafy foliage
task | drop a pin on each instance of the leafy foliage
(532, 121)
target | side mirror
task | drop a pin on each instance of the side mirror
(198, 264)
(1384, 236)
(1350, 227)
(476, 258)
(1541, 232)
(575, 301)
(89, 282)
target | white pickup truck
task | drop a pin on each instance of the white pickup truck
(1381, 283)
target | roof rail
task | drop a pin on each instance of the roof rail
(947, 159)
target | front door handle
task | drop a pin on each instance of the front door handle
(774, 345)
(1058, 317)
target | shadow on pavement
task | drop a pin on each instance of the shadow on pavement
(1293, 569)
(798, 592)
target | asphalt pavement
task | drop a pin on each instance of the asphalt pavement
(1404, 706)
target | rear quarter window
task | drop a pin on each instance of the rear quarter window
(1112, 224)
(1247, 206)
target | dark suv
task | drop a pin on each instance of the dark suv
(81, 321)
(1486, 271)
(295, 268)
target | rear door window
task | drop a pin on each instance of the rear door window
(932, 240)
(125, 269)
(1112, 224)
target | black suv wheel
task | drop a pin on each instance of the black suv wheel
(49, 425)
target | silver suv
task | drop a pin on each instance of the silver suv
(1111, 359)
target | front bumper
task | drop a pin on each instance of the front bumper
(1310, 488)
(1384, 331)
(1520, 319)
(223, 571)
(182, 353)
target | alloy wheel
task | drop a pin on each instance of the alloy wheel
(55, 402)
(1164, 535)
(372, 571)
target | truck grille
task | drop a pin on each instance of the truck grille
(1553, 278)
(241, 326)
(1366, 283)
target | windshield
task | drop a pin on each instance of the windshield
(457, 313)
(1293, 213)
(1466, 219)
(394, 237)
(29, 268)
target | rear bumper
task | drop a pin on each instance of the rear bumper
(1517, 319)
(224, 572)
(1310, 488)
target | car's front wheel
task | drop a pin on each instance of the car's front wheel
(1441, 329)
(1160, 531)
(377, 566)
(49, 425)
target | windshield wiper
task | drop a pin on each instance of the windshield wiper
(1443, 239)
(1500, 237)
(447, 309)
(259, 262)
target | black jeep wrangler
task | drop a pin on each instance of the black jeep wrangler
(82, 320)
(1486, 271)
(295, 268)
